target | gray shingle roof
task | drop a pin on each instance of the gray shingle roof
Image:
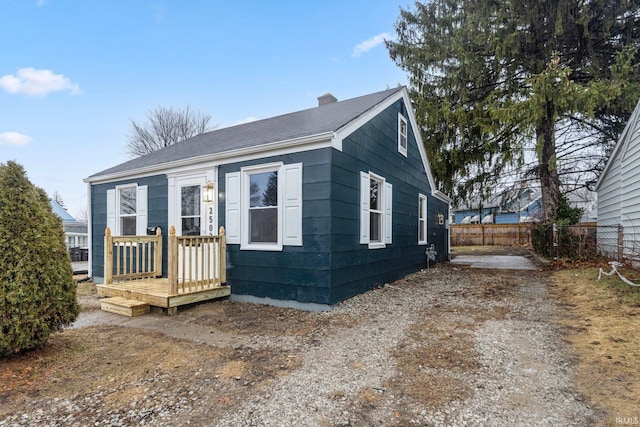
(313, 121)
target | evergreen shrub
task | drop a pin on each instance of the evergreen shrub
(37, 291)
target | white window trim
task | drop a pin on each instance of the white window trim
(422, 240)
(119, 216)
(113, 208)
(381, 211)
(244, 211)
(208, 211)
(236, 202)
(386, 217)
(403, 120)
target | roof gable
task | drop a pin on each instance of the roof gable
(329, 122)
(621, 145)
(323, 120)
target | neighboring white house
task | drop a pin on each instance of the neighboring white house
(619, 194)
(76, 233)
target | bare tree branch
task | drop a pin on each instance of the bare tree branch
(165, 126)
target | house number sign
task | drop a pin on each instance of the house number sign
(210, 225)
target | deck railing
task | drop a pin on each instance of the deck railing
(195, 263)
(132, 257)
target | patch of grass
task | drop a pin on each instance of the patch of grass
(86, 289)
(602, 327)
(629, 295)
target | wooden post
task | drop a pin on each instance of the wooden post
(620, 243)
(157, 267)
(108, 256)
(554, 241)
(173, 262)
(222, 261)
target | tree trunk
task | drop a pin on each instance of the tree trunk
(548, 171)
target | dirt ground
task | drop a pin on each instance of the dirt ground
(602, 324)
(104, 375)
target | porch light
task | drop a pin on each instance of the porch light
(207, 193)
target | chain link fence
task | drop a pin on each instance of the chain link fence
(585, 241)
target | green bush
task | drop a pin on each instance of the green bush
(37, 292)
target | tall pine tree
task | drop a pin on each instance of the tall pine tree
(491, 80)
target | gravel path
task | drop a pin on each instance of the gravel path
(446, 346)
(522, 377)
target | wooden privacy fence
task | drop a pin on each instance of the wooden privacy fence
(195, 263)
(490, 234)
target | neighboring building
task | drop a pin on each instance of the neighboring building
(503, 208)
(76, 234)
(318, 205)
(619, 193)
(509, 208)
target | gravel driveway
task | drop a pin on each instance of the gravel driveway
(504, 321)
(445, 346)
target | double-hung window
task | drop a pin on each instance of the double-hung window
(127, 210)
(402, 134)
(422, 219)
(263, 206)
(375, 210)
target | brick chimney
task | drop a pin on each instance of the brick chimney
(325, 99)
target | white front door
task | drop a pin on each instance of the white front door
(191, 211)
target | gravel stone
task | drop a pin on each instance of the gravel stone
(522, 374)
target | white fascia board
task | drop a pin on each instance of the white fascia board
(622, 142)
(358, 122)
(441, 196)
(306, 143)
(354, 125)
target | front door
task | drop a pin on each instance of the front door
(193, 214)
(192, 206)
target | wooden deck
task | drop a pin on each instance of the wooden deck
(154, 292)
(196, 269)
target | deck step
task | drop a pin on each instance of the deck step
(123, 306)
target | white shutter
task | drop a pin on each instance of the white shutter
(232, 207)
(364, 208)
(141, 211)
(292, 201)
(111, 212)
(388, 218)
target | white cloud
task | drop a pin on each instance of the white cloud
(369, 44)
(40, 3)
(14, 138)
(32, 82)
(246, 120)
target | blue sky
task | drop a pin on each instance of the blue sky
(74, 73)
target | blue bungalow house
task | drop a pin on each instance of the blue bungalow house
(318, 205)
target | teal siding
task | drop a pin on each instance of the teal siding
(374, 148)
(157, 215)
(300, 273)
(331, 265)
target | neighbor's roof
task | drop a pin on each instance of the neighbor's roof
(61, 212)
(313, 121)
